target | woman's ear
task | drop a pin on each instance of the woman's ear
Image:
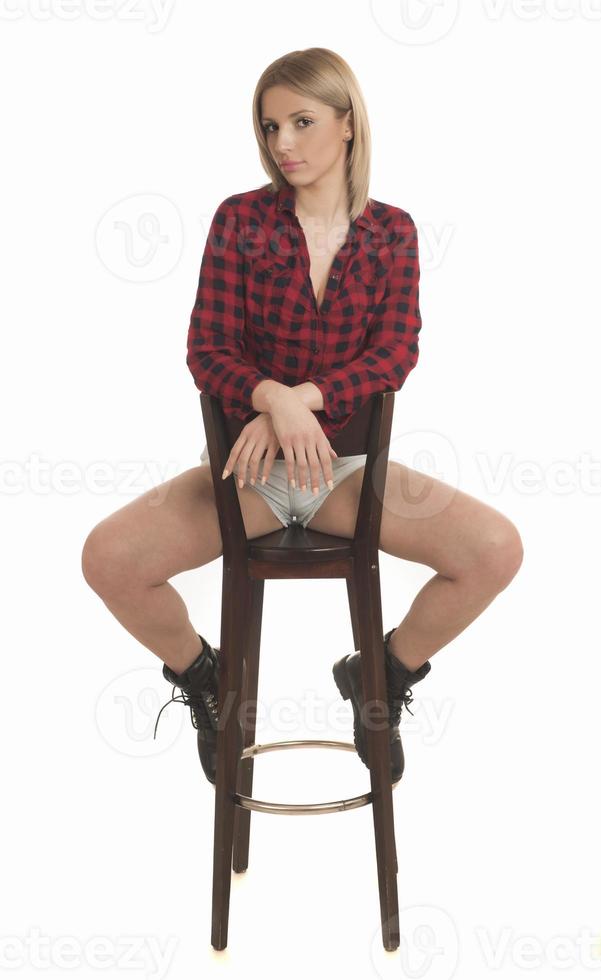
(348, 127)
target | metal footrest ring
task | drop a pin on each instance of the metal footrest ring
(334, 806)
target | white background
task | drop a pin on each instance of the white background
(484, 121)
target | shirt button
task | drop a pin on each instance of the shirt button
(315, 349)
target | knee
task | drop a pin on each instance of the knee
(501, 555)
(105, 559)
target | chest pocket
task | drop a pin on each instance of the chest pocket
(271, 281)
(358, 295)
(278, 317)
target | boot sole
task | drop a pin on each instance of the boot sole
(343, 684)
(212, 779)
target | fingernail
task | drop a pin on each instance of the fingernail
(224, 474)
(304, 486)
(293, 482)
(315, 490)
(263, 479)
(331, 484)
(252, 481)
(240, 483)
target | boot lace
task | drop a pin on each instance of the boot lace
(398, 697)
(203, 709)
(396, 704)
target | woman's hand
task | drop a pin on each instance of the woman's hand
(256, 439)
(259, 438)
(302, 440)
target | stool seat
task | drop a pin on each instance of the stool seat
(296, 543)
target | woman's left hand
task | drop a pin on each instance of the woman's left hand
(256, 440)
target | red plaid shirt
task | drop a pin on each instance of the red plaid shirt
(256, 315)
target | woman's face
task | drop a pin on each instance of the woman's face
(303, 131)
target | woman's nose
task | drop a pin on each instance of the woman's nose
(283, 143)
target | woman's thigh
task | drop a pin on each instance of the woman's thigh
(170, 529)
(427, 521)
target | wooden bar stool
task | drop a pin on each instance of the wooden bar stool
(297, 552)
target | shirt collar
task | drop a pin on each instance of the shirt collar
(286, 201)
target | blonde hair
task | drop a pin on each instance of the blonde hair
(321, 74)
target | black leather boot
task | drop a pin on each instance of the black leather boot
(199, 691)
(399, 681)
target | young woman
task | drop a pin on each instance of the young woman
(307, 304)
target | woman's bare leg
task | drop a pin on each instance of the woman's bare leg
(128, 557)
(475, 550)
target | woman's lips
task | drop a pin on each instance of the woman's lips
(292, 166)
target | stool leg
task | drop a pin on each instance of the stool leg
(366, 588)
(248, 719)
(232, 646)
(352, 601)
(354, 611)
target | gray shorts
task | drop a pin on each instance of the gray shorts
(290, 503)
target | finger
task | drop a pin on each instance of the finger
(267, 464)
(302, 466)
(290, 464)
(326, 464)
(266, 470)
(242, 467)
(230, 462)
(254, 464)
(315, 466)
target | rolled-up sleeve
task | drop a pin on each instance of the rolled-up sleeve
(215, 334)
(391, 350)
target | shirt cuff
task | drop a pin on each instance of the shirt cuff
(327, 393)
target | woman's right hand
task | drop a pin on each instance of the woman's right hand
(302, 440)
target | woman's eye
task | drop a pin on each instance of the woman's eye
(305, 119)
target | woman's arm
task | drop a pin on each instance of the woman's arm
(310, 395)
(215, 335)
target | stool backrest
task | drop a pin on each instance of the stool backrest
(367, 432)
